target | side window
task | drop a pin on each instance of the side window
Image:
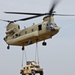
(27, 68)
(25, 32)
(32, 30)
(39, 27)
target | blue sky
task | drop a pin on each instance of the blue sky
(58, 57)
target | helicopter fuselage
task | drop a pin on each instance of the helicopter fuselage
(33, 34)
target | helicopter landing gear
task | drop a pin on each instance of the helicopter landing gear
(22, 47)
(8, 47)
(44, 43)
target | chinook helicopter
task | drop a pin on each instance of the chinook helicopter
(35, 33)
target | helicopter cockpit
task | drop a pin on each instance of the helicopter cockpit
(51, 26)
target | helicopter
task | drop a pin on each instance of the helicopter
(35, 33)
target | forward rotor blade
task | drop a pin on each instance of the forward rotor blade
(63, 15)
(50, 12)
(24, 19)
(25, 13)
(36, 14)
(52, 8)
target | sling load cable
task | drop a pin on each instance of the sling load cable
(24, 56)
(37, 53)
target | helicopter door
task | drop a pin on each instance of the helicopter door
(39, 27)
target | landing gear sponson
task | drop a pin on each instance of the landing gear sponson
(8, 47)
(43, 43)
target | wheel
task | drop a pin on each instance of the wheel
(33, 72)
(8, 47)
(41, 73)
(22, 47)
(44, 43)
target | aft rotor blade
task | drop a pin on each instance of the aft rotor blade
(6, 20)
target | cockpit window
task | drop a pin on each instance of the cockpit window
(50, 24)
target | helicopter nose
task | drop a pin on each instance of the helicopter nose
(57, 28)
